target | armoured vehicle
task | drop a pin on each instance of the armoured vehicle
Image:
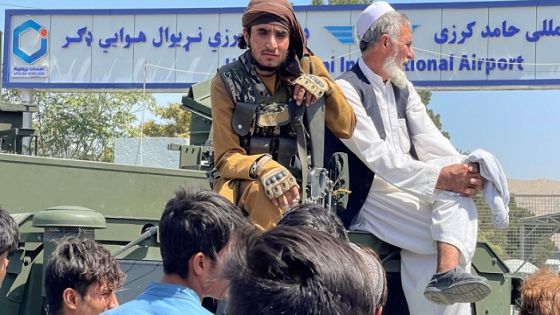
(120, 205)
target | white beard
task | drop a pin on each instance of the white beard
(395, 72)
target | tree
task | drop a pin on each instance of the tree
(426, 97)
(10, 96)
(506, 242)
(84, 125)
(177, 122)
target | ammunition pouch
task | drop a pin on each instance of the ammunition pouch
(242, 119)
(276, 114)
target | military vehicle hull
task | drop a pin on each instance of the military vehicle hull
(131, 198)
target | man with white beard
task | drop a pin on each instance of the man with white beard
(412, 202)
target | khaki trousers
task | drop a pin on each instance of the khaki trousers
(249, 195)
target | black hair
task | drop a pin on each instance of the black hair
(315, 217)
(9, 233)
(195, 221)
(290, 270)
(78, 264)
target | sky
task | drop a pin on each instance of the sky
(520, 127)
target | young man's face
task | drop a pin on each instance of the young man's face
(269, 45)
(98, 299)
(4, 261)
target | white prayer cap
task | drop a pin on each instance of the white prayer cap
(371, 14)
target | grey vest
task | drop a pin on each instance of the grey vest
(361, 177)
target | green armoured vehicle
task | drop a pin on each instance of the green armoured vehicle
(120, 206)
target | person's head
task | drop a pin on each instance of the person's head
(81, 278)
(385, 39)
(273, 34)
(195, 229)
(540, 294)
(316, 217)
(376, 275)
(295, 270)
(9, 237)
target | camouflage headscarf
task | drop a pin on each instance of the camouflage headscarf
(281, 11)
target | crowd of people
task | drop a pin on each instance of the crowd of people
(304, 265)
(253, 242)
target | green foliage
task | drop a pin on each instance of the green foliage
(83, 125)
(177, 122)
(10, 96)
(426, 97)
(506, 242)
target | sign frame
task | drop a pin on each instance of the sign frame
(300, 10)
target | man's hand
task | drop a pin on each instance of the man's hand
(279, 184)
(302, 96)
(308, 88)
(461, 178)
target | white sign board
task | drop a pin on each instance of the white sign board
(458, 45)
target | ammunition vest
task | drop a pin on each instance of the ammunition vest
(264, 123)
(361, 177)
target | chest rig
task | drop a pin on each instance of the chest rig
(265, 123)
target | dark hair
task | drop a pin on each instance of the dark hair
(316, 217)
(195, 221)
(241, 43)
(77, 264)
(290, 270)
(9, 234)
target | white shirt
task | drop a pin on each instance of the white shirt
(389, 159)
(400, 206)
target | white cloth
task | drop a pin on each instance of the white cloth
(371, 14)
(496, 190)
(418, 305)
(399, 206)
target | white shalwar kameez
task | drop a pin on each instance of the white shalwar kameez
(403, 207)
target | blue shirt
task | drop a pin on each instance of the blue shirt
(165, 299)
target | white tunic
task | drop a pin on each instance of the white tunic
(399, 208)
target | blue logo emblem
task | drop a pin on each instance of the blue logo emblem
(30, 26)
(344, 34)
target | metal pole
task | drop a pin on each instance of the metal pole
(27, 123)
(522, 241)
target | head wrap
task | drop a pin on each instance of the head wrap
(371, 14)
(281, 11)
(266, 11)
